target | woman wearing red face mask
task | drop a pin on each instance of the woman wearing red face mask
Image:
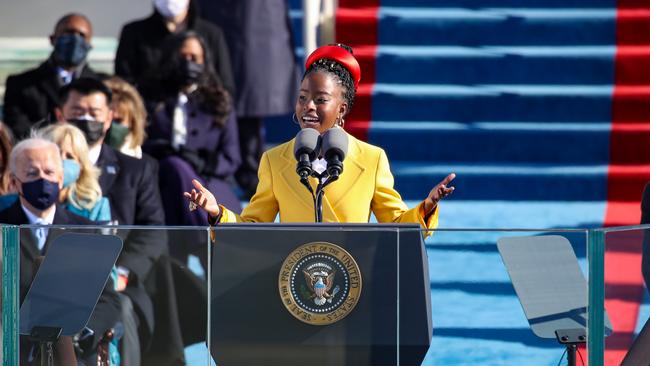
(326, 96)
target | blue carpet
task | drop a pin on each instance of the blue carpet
(455, 25)
(574, 65)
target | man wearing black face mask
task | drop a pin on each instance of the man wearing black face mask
(32, 96)
(37, 176)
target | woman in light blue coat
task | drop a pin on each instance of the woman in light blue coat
(81, 193)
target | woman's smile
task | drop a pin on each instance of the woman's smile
(310, 121)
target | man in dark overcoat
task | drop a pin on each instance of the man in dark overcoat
(141, 42)
(31, 97)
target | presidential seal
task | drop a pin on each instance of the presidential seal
(320, 283)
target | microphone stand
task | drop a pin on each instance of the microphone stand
(318, 195)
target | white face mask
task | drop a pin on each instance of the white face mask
(171, 8)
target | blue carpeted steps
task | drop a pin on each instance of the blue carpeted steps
(536, 103)
(506, 182)
(519, 65)
(512, 97)
(486, 25)
(493, 142)
(488, 4)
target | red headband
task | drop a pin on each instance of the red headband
(340, 55)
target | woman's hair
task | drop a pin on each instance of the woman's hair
(6, 143)
(129, 102)
(340, 73)
(165, 82)
(85, 192)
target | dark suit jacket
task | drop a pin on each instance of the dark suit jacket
(32, 96)
(141, 43)
(107, 312)
(131, 186)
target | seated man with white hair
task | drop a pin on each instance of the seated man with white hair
(37, 175)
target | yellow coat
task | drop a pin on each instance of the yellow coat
(365, 186)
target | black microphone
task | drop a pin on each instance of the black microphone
(305, 150)
(335, 147)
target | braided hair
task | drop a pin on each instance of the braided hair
(341, 74)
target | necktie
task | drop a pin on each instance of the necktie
(40, 234)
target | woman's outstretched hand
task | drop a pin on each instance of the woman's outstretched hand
(203, 198)
(440, 191)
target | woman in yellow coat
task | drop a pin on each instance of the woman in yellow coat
(366, 184)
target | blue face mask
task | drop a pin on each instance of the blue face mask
(41, 193)
(71, 171)
(71, 49)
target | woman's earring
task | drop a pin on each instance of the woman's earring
(341, 122)
(295, 119)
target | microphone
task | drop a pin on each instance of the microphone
(335, 147)
(305, 149)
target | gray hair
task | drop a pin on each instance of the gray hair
(28, 144)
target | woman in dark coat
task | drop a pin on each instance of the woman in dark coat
(141, 43)
(193, 129)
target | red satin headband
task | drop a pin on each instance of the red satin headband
(340, 55)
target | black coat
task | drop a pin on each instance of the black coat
(32, 96)
(141, 42)
(131, 187)
(107, 311)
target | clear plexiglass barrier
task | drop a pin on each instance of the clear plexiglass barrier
(332, 294)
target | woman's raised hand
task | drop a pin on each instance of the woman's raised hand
(201, 197)
(440, 191)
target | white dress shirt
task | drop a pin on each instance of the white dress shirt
(93, 153)
(179, 129)
(65, 75)
(319, 165)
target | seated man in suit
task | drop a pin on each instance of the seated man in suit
(131, 187)
(37, 176)
(32, 96)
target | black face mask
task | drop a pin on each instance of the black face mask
(93, 130)
(41, 193)
(190, 72)
(71, 50)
